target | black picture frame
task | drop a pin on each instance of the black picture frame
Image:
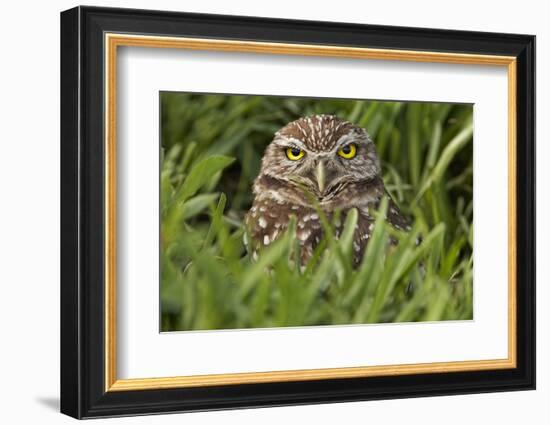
(83, 392)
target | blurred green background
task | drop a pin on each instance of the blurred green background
(211, 147)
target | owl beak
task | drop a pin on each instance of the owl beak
(320, 176)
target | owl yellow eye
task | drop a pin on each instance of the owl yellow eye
(348, 151)
(294, 154)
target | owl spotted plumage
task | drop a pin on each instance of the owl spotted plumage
(327, 158)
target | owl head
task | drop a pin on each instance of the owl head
(321, 153)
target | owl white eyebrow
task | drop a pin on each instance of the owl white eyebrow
(289, 142)
(348, 138)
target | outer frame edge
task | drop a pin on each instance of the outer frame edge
(527, 134)
(70, 349)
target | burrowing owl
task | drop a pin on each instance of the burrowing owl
(324, 157)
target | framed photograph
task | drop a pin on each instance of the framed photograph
(261, 212)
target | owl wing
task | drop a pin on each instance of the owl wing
(377, 190)
(395, 217)
(265, 221)
(268, 220)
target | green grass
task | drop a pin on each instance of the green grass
(211, 151)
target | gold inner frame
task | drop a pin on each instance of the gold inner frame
(113, 41)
